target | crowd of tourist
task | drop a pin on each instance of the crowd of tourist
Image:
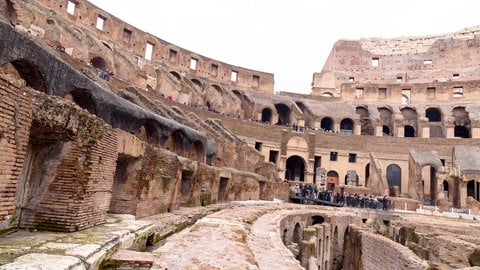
(351, 200)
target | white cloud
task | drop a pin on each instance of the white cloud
(289, 38)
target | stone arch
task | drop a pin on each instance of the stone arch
(218, 88)
(176, 142)
(367, 127)
(394, 179)
(346, 126)
(462, 122)
(148, 132)
(197, 83)
(433, 115)
(176, 75)
(8, 11)
(267, 115)
(326, 124)
(332, 179)
(295, 168)
(28, 71)
(410, 121)
(84, 99)
(99, 63)
(352, 183)
(245, 104)
(317, 220)
(197, 151)
(386, 117)
(284, 113)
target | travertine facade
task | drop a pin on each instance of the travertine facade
(100, 117)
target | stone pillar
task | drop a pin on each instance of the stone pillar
(400, 131)
(424, 127)
(449, 127)
(357, 128)
(475, 124)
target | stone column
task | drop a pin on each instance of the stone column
(449, 127)
(424, 127)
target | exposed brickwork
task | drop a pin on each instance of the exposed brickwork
(15, 121)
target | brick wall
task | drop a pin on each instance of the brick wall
(15, 123)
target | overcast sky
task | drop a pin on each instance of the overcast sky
(291, 39)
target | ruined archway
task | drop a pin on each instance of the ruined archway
(367, 127)
(346, 126)
(267, 116)
(176, 142)
(410, 121)
(28, 71)
(122, 197)
(197, 83)
(84, 99)
(197, 151)
(296, 234)
(386, 118)
(367, 174)
(99, 63)
(245, 104)
(308, 116)
(149, 132)
(283, 114)
(394, 179)
(176, 75)
(326, 124)
(295, 169)
(186, 185)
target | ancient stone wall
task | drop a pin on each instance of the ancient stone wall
(15, 121)
(145, 52)
(366, 250)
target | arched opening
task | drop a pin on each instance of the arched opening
(295, 169)
(445, 188)
(296, 234)
(429, 185)
(197, 83)
(433, 115)
(410, 121)
(326, 124)
(408, 131)
(197, 151)
(267, 116)
(367, 174)
(176, 75)
(99, 63)
(346, 126)
(84, 99)
(332, 180)
(462, 123)
(327, 94)
(394, 180)
(283, 114)
(435, 120)
(28, 71)
(367, 127)
(351, 178)
(386, 116)
(217, 88)
(317, 220)
(8, 12)
(176, 142)
(149, 132)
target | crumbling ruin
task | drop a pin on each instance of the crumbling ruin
(99, 117)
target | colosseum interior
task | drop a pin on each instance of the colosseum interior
(124, 151)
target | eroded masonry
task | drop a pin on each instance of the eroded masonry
(99, 118)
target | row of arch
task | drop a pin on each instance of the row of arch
(149, 129)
